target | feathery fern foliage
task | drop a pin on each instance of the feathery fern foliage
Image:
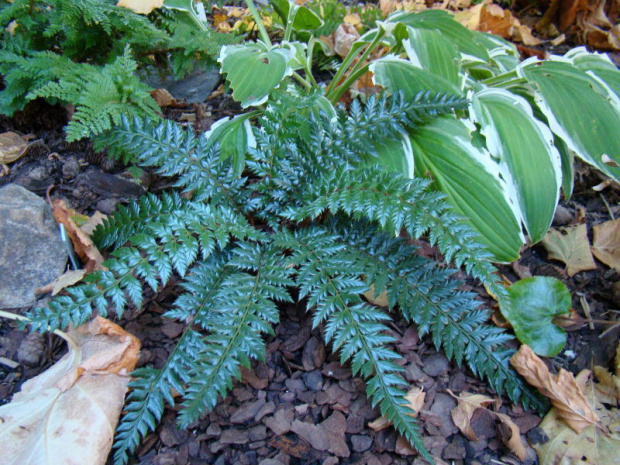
(311, 215)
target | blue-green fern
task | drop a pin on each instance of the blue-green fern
(310, 214)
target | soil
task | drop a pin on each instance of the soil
(301, 406)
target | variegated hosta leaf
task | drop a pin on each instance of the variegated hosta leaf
(396, 74)
(254, 70)
(528, 160)
(581, 110)
(234, 136)
(471, 180)
(396, 155)
(431, 51)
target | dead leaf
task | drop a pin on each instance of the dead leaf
(415, 398)
(69, 278)
(68, 414)
(606, 243)
(571, 246)
(163, 98)
(143, 7)
(12, 147)
(344, 36)
(464, 411)
(381, 300)
(84, 247)
(561, 389)
(92, 222)
(596, 444)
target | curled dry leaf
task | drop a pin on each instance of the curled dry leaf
(606, 243)
(68, 414)
(163, 98)
(84, 247)
(415, 399)
(464, 411)
(344, 36)
(562, 389)
(12, 147)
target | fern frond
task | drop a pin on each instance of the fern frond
(429, 297)
(333, 284)
(396, 203)
(243, 310)
(150, 389)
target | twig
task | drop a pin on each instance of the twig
(611, 215)
(586, 309)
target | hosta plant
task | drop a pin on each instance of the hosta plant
(501, 162)
(309, 222)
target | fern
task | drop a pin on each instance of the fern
(311, 214)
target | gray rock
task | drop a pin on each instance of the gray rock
(31, 251)
(246, 411)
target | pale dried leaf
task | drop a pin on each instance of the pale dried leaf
(514, 442)
(381, 300)
(606, 243)
(561, 389)
(387, 6)
(83, 246)
(68, 278)
(571, 246)
(92, 222)
(143, 7)
(464, 411)
(68, 414)
(415, 399)
(344, 36)
(12, 147)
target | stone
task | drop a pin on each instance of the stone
(435, 365)
(313, 380)
(172, 329)
(280, 423)
(442, 407)
(258, 433)
(265, 410)
(31, 251)
(361, 443)
(313, 354)
(171, 436)
(327, 436)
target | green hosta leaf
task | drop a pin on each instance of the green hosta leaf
(579, 109)
(395, 154)
(471, 180)
(597, 65)
(254, 70)
(528, 160)
(430, 50)
(304, 19)
(532, 305)
(467, 41)
(234, 136)
(396, 74)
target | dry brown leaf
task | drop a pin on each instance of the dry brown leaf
(381, 300)
(68, 414)
(571, 246)
(595, 445)
(415, 398)
(561, 389)
(387, 6)
(84, 247)
(163, 98)
(143, 7)
(69, 278)
(12, 147)
(462, 415)
(606, 243)
(92, 222)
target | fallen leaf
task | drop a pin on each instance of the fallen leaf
(561, 389)
(68, 414)
(69, 278)
(415, 399)
(462, 415)
(12, 147)
(596, 444)
(344, 36)
(606, 243)
(381, 300)
(570, 245)
(143, 7)
(84, 247)
(93, 221)
(163, 98)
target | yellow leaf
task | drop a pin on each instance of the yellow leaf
(606, 244)
(562, 389)
(570, 245)
(143, 7)
(353, 19)
(12, 147)
(68, 414)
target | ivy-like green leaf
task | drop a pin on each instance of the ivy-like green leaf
(532, 305)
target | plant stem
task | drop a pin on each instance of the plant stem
(506, 80)
(259, 22)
